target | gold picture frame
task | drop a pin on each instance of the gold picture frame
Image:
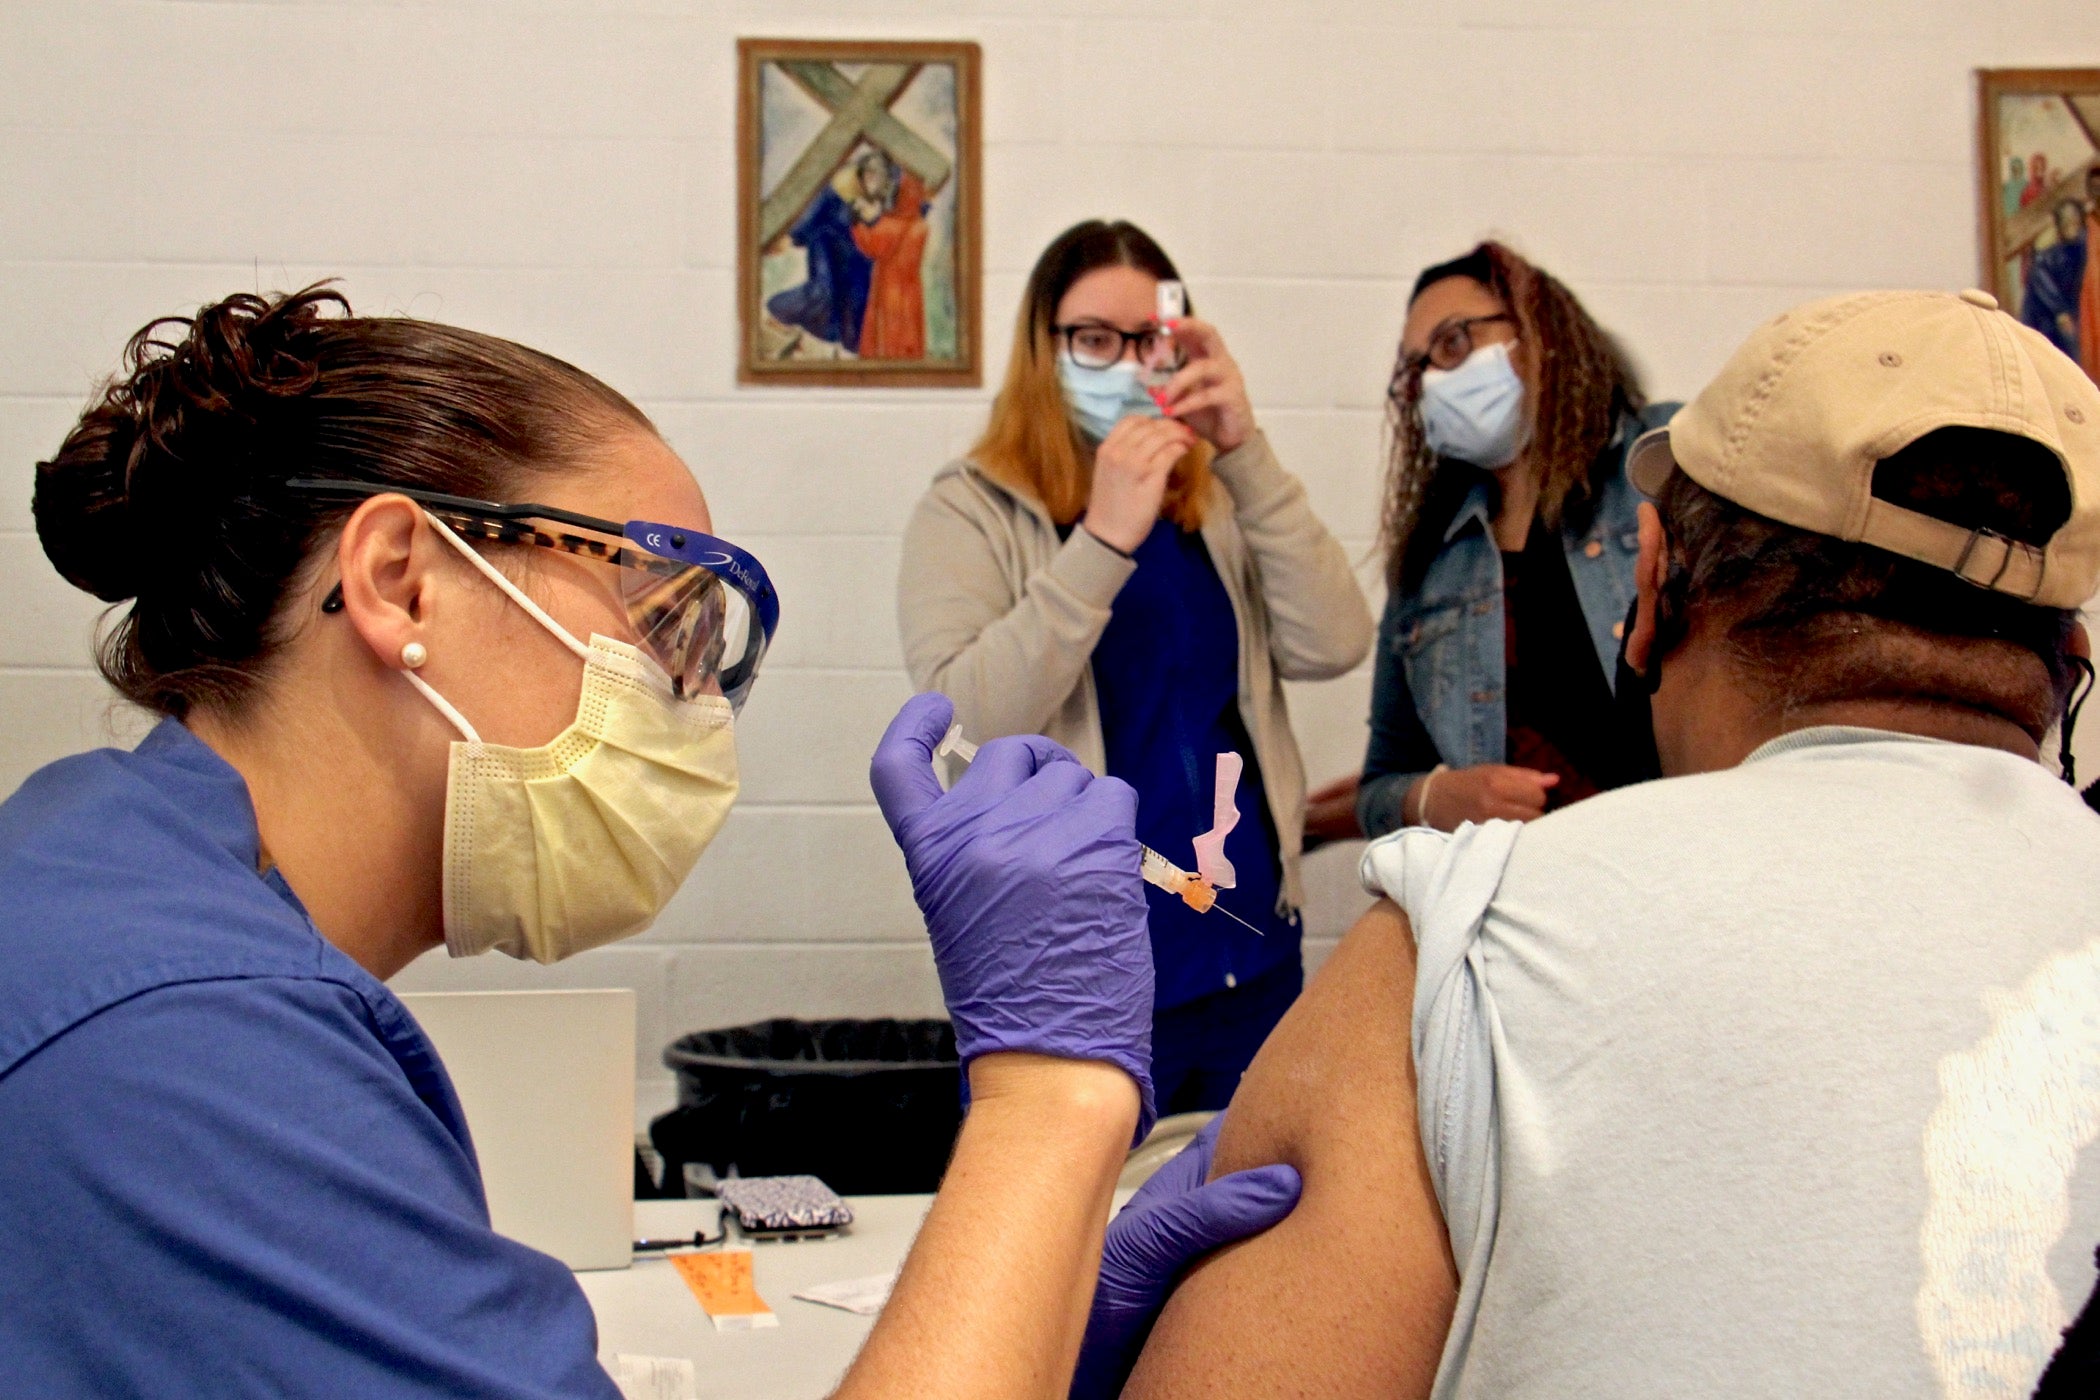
(859, 213)
(2038, 201)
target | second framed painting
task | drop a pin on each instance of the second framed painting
(2039, 187)
(858, 207)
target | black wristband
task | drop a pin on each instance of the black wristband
(1104, 543)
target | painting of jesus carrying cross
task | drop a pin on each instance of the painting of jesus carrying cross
(2039, 132)
(859, 208)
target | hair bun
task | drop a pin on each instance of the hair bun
(132, 501)
(82, 515)
(171, 488)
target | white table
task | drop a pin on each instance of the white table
(648, 1310)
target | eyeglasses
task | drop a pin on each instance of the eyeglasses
(1449, 345)
(1093, 345)
(702, 607)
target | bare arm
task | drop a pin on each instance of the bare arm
(1352, 1294)
(994, 1294)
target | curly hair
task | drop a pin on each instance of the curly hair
(1580, 384)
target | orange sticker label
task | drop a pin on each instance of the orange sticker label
(721, 1281)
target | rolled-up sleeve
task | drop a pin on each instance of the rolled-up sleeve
(1445, 883)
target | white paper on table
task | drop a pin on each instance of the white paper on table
(653, 1377)
(864, 1296)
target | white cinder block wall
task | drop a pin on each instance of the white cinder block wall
(561, 173)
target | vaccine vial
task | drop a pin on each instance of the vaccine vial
(1173, 302)
(1164, 358)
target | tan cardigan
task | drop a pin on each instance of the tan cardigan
(1002, 616)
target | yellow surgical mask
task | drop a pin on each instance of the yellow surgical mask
(556, 849)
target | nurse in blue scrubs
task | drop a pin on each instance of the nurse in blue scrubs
(447, 651)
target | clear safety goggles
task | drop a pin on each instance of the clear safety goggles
(700, 606)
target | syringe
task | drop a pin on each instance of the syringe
(1195, 891)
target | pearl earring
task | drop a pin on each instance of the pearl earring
(413, 655)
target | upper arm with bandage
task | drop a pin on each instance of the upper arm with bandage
(1352, 1294)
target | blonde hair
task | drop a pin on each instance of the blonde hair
(1031, 444)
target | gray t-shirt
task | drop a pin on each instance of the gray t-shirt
(1783, 1080)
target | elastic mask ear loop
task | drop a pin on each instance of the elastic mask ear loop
(446, 707)
(517, 594)
(1670, 625)
(2081, 690)
(1631, 711)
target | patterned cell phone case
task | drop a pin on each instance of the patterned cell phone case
(776, 1203)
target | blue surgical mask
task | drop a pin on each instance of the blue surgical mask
(1475, 413)
(1101, 398)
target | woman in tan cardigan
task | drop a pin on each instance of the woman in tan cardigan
(1138, 585)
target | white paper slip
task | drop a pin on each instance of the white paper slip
(653, 1377)
(856, 1295)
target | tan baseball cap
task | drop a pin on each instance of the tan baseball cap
(1795, 422)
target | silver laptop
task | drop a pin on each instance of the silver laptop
(547, 1081)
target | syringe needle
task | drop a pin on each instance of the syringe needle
(1154, 867)
(1237, 919)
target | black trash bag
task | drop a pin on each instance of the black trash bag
(872, 1107)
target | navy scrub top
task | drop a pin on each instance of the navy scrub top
(1167, 669)
(232, 1163)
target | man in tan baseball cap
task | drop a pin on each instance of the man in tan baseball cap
(1798, 420)
(1930, 427)
(1778, 1076)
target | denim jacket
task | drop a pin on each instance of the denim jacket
(1437, 695)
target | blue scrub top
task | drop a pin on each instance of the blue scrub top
(232, 1163)
(1167, 669)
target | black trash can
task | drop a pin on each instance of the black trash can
(872, 1107)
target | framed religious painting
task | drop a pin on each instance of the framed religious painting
(859, 210)
(2039, 152)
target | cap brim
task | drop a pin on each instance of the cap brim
(1648, 464)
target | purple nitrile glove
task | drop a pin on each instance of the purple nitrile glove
(1027, 874)
(1172, 1220)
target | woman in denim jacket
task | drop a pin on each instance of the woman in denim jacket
(1510, 543)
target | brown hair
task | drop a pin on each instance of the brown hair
(1580, 383)
(1031, 443)
(169, 491)
(1810, 619)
